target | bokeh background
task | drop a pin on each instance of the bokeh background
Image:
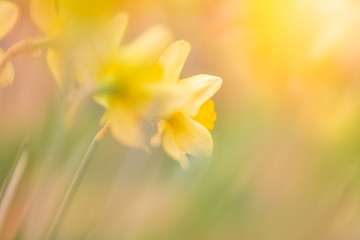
(287, 140)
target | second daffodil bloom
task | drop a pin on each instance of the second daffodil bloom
(66, 24)
(187, 130)
(8, 17)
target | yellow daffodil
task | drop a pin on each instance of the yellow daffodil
(135, 89)
(187, 130)
(8, 16)
(128, 79)
(67, 23)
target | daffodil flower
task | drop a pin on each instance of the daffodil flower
(66, 24)
(8, 16)
(128, 79)
(187, 130)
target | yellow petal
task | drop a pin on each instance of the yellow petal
(168, 99)
(117, 28)
(56, 63)
(201, 87)
(85, 65)
(148, 47)
(206, 115)
(7, 74)
(8, 16)
(173, 60)
(190, 136)
(171, 147)
(125, 127)
(86, 11)
(102, 100)
(44, 14)
(107, 43)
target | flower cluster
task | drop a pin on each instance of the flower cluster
(137, 83)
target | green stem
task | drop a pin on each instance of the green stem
(74, 185)
(12, 182)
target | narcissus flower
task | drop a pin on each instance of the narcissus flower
(135, 88)
(8, 16)
(66, 24)
(187, 130)
(128, 79)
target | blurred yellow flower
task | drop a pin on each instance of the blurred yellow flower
(187, 130)
(8, 16)
(67, 23)
(128, 79)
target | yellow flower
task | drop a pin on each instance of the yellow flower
(8, 16)
(67, 23)
(128, 79)
(187, 130)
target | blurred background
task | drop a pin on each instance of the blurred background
(286, 144)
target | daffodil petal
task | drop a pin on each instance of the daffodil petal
(117, 28)
(84, 65)
(173, 60)
(44, 14)
(168, 98)
(191, 137)
(8, 15)
(125, 127)
(201, 88)
(56, 63)
(171, 147)
(101, 100)
(7, 74)
(147, 47)
(107, 44)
